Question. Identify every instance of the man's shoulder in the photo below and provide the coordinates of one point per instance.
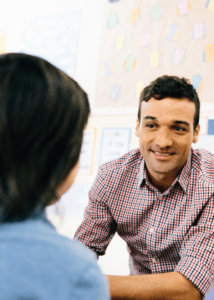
(203, 162)
(131, 159)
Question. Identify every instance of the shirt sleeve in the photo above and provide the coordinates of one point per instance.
(197, 257)
(98, 226)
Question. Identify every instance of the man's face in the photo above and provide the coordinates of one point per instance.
(165, 134)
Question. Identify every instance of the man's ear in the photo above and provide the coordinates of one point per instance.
(137, 131)
(196, 134)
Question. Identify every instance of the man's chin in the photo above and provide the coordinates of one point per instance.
(163, 170)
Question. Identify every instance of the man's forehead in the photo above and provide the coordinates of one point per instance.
(167, 103)
(170, 108)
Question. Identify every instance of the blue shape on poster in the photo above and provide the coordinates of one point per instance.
(205, 30)
(113, 1)
(211, 127)
(207, 4)
(196, 80)
(107, 68)
(171, 33)
(115, 92)
(112, 20)
(204, 55)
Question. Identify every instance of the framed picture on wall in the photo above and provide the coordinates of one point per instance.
(114, 143)
(87, 152)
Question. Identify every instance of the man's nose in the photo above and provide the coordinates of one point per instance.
(164, 139)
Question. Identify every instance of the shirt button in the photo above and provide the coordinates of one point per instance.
(153, 260)
(151, 230)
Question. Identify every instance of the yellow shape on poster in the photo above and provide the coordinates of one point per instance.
(200, 86)
(139, 88)
(165, 32)
(120, 42)
(154, 59)
(209, 50)
(134, 16)
(211, 5)
(176, 35)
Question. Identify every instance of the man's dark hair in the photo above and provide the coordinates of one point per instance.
(43, 113)
(171, 87)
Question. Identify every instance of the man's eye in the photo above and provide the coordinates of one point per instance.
(178, 128)
(151, 126)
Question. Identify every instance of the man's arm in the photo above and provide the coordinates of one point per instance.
(98, 226)
(164, 286)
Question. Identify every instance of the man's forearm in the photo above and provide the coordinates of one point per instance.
(164, 286)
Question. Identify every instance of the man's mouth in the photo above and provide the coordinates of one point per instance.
(163, 153)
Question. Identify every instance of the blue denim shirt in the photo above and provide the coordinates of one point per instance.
(37, 263)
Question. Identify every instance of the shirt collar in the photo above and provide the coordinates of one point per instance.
(182, 178)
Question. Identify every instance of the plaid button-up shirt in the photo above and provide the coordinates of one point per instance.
(164, 232)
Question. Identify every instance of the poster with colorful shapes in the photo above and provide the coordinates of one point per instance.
(54, 38)
(142, 40)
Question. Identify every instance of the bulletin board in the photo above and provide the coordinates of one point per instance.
(142, 40)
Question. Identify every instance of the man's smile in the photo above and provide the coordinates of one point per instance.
(162, 155)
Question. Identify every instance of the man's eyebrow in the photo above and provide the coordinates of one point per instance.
(182, 122)
(175, 122)
(149, 117)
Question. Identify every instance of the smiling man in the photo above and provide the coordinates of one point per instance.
(159, 199)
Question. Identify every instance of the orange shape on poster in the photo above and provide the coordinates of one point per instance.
(135, 16)
(209, 50)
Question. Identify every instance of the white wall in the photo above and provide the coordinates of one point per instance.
(12, 14)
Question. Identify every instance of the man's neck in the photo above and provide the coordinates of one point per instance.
(162, 181)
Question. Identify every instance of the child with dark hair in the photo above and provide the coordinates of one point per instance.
(43, 113)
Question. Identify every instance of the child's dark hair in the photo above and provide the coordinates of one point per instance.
(43, 113)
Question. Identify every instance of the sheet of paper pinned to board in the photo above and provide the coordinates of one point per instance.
(115, 142)
(87, 152)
